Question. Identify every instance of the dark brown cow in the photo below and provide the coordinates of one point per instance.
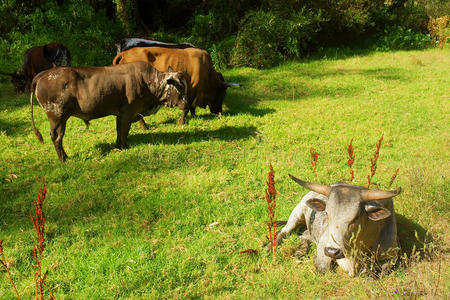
(38, 59)
(127, 91)
(206, 87)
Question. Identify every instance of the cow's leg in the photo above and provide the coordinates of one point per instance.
(296, 217)
(57, 131)
(142, 123)
(305, 245)
(125, 124)
(192, 110)
(347, 265)
(118, 131)
(182, 120)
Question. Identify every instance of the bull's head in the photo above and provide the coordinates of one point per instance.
(175, 89)
(353, 213)
(215, 106)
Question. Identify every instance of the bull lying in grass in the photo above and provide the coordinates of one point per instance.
(127, 91)
(347, 222)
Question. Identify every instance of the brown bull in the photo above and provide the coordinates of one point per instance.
(127, 91)
(205, 85)
(38, 59)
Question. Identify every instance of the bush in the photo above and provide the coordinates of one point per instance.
(412, 16)
(265, 39)
(90, 36)
(221, 53)
(399, 38)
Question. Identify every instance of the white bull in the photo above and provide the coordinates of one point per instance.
(346, 221)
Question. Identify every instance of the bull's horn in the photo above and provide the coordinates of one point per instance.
(369, 195)
(231, 84)
(315, 187)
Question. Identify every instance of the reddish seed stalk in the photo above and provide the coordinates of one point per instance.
(373, 163)
(271, 205)
(39, 224)
(351, 159)
(393, 178)
(5, 265)
(248, 251)
(314, 158)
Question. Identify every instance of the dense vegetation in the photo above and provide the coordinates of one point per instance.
(256, 33)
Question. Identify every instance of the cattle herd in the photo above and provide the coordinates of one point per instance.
(347, 222)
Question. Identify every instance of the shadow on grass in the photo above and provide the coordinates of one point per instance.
(378, 73)
(407, 230)
(13, 128)
(226, 133)
(242, 104)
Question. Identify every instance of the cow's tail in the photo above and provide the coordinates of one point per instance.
(35, 130)
(117, 59)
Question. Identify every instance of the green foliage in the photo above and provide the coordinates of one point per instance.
(265, 38)
(222, 52)
(399, 38)
(412, 15)
(90, 36)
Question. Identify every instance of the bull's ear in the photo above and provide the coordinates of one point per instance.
(169, 69)
(316, 204)
(376, 213)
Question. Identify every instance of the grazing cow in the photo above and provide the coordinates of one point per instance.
(126, 91)
(205, 85)
(38, 59)
(346, 222)
(129, 43)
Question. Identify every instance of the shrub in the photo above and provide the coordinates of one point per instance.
(265, 38)
(411, 15)
(399, 38)
(221, 52)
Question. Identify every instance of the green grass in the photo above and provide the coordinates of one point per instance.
(135, 223)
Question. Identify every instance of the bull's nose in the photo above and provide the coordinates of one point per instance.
(333, 252)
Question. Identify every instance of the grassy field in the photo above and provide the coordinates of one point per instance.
(168, 217)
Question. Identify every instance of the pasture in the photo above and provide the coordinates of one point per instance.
(169, 217)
